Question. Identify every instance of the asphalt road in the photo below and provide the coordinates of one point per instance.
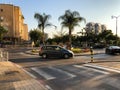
(70, 74)
(78, 77)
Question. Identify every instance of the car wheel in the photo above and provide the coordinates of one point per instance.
(44, 56)
(66, 56)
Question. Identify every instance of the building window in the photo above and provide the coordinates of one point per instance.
(1, 10)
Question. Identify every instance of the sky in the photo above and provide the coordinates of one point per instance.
(97, 11)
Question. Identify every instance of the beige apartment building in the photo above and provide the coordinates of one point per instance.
(12, 19)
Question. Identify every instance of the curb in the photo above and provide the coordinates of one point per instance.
(80, 54)
(45, 87)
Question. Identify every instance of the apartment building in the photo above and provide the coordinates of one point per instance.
(95, 27)
(12, 19)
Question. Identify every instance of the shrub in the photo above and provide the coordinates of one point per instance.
(76, 50)
(35, 51)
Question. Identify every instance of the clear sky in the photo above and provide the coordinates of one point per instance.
(99, 11)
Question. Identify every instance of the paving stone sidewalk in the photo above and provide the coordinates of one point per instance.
(14, 78)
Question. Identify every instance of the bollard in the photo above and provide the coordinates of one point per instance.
(91, 50)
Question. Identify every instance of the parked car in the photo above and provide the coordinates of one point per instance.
(112, 50)
(48, 51)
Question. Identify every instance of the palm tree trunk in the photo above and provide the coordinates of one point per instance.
(70, 39)
(43, 39)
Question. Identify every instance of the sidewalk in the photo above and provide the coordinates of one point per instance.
(14, 78)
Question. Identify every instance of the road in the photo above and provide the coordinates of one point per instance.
(70, 74)
(78, 77)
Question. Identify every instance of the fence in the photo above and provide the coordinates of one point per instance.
(3, 55)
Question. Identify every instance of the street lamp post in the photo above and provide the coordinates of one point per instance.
(116, 17)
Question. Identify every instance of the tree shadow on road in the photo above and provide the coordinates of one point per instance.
(36, 59)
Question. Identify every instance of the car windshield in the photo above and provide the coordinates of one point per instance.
(115, 47)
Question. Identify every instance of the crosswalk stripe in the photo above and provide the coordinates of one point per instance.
(105, 68)
(62, 71)
(78, 66)
(43, 74)
(48, 76)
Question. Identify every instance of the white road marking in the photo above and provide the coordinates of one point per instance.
(48, 87)
(29, 74)
(64, 72)
(78, 66)
(43, 74)
(25, 54)
(102, 67)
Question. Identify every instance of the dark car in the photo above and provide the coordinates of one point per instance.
(48, 51)
(112, 50)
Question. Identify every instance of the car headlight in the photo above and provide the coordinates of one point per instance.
(71, 52)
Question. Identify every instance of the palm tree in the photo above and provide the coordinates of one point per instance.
(70, 20)
(42, 23)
